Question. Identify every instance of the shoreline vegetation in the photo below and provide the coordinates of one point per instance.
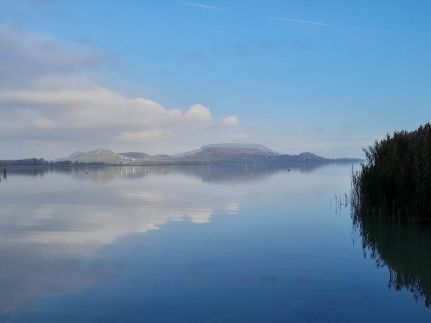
(391, 209)
(394, 183)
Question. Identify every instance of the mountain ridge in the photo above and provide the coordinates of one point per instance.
(208, 154)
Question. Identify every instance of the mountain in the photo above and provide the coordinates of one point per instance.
(209, 154)
(305, 157)
(228, 153)
(99, 156)
(232, 148)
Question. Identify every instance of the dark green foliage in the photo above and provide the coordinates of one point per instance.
(395, 182)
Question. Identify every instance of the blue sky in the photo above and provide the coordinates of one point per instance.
(324, 76)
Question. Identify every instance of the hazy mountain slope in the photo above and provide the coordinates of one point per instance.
(100, 156)
(305, 157)
(228, 153)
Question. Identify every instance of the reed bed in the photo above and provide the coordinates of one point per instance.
(394, 183)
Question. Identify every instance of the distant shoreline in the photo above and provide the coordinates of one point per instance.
(46, 164)
(245, 154)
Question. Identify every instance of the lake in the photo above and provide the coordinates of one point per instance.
(201, 244)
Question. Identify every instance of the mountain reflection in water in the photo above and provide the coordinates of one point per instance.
(207, 173)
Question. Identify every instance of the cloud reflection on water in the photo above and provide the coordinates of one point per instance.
(56, 227)
(63, 219)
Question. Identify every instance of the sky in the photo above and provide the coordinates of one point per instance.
(167, 76)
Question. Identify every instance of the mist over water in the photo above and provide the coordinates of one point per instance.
(200, 244)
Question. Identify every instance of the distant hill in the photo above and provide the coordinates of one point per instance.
(209, 154)
(305, 157)
(228, 153)
(99, 156)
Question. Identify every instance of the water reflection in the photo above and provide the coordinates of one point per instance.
(188, 244)
(404, 249)
(218, 173)
(48, 228)
(100, 214)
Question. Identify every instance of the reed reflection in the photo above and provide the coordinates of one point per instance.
(404, 249)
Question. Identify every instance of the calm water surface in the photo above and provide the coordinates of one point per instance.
(203, 245)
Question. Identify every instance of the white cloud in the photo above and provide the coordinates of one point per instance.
(44, 123)
(26, 57)
(144, 136)
(101, 107)
(231, 121)
(198, 113)
(51, 101)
